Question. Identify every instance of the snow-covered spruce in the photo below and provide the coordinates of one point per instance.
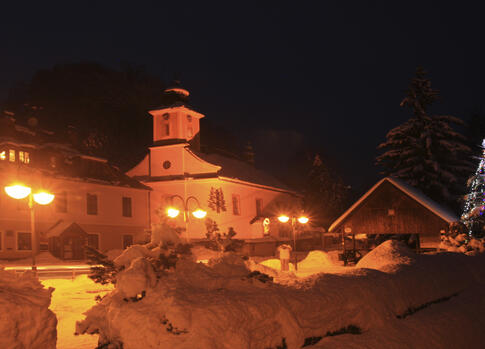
(219, 306)
(25, 318)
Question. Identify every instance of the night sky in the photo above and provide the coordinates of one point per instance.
(287, 76)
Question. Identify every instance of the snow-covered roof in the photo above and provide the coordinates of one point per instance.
(61, 226)
(237, 169)
(414, 193)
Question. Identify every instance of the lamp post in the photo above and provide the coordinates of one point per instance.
(302, 220)
(173, 212)
(19, 191)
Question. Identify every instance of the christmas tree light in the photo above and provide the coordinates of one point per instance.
(473, 213)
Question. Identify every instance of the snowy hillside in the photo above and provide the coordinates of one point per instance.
(25, 318)
(399, 300)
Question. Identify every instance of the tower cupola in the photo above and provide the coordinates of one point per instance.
(176, 121)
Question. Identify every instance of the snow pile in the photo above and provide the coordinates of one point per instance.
(387, 256)
(223, 305)
(315, 259)
(462, 243)
(25, 318)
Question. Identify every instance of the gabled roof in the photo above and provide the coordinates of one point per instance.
(61, 226)
(412, 192)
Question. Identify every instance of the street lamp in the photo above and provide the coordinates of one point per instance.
(173, 212)
(302, 220)
(41, 197)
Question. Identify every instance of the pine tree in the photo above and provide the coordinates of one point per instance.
(103, 270)
(216, 200)
(326, 194)
(473, 213)
(426, 151)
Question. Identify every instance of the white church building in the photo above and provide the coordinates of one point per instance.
(233, 192)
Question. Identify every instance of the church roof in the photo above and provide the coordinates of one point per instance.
(237, 169)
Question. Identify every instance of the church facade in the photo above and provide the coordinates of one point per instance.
(233, 192)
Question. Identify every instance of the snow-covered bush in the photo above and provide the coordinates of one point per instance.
(222, 305)
(25, 318)
(457, 239)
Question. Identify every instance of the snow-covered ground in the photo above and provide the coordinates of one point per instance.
(396, 299)
(70, 300)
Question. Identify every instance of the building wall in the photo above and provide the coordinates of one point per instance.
(182, 122)
(109, 222)
(200, 189)
(390, 211)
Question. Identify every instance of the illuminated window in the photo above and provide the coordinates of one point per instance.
(91, 204)
(236, 205)
(24, 157)
(3, 155)
(24, 241)
(126, 203)
(11, 155)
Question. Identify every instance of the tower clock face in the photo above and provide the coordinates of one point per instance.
(166, 116)
(166, 164)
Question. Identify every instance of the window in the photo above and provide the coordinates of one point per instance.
(93, 241)
(24, 157)
(189, 118)
(126, 201)
(92, 204)
(236, 205)
(127, 241)
(190, 132)
(166, 124)
(259, 207)
(61, 202)
(3, 155)
(24, 241)
(11, 155)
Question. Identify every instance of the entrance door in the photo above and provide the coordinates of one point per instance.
(74, 247)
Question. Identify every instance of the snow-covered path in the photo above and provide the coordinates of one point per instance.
(69, 301)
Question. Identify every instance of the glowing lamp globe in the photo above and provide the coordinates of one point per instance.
(303, 220)
(172, 212)
(283, 218)
(43, 198)
(18, 191)
(199, 213)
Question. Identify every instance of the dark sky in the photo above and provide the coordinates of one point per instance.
(331, 75)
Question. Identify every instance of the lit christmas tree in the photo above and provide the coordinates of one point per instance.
(473, 213)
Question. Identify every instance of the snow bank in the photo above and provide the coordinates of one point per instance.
(462, 243)
(222, 305)
(387, 256)
(25, 318)
(315, 259)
